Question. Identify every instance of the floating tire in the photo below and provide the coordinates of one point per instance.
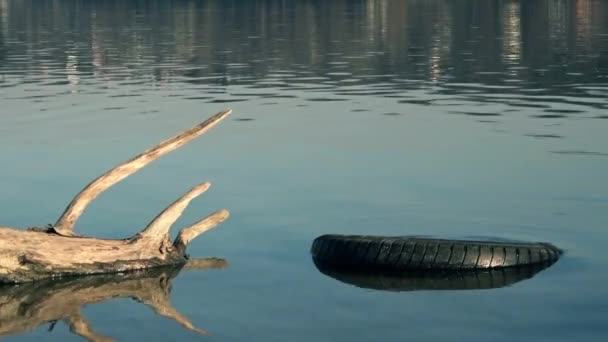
(379, 253)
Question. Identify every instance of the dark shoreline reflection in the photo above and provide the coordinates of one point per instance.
(25, 307)
(554, 52)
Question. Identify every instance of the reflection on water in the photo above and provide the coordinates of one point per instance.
(543, 55)
(27, 306)
(582, 153)
(431, 281)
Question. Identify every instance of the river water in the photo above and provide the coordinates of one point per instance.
(456, 119)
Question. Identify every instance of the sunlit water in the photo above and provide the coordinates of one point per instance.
(456, 119)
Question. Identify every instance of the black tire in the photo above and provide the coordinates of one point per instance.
(357, 252)
(435, 280)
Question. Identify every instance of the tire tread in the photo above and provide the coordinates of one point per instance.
(403, 253)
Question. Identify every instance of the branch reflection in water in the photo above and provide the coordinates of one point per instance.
(28, 306)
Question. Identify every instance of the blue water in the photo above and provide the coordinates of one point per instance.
(454, 119)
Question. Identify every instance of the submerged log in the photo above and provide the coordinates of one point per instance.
(39, 253)
(26, 307)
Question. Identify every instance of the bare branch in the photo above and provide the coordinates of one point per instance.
(65, 224)
(158, 229)
(190, 233)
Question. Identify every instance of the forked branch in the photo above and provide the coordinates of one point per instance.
(34, 254)
(65, 224)
(158, 229)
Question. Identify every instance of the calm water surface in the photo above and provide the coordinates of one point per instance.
(456, 119)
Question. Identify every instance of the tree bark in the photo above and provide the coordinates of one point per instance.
(38, 253)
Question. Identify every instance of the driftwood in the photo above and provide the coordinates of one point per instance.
(26, 307)
(56, 251)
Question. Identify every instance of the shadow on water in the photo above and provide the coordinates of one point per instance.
(26, 307)
(421, 280)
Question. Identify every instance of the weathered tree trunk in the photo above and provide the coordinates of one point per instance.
(37, 253)
(26, 307)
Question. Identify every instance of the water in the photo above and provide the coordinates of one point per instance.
(454, 119)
